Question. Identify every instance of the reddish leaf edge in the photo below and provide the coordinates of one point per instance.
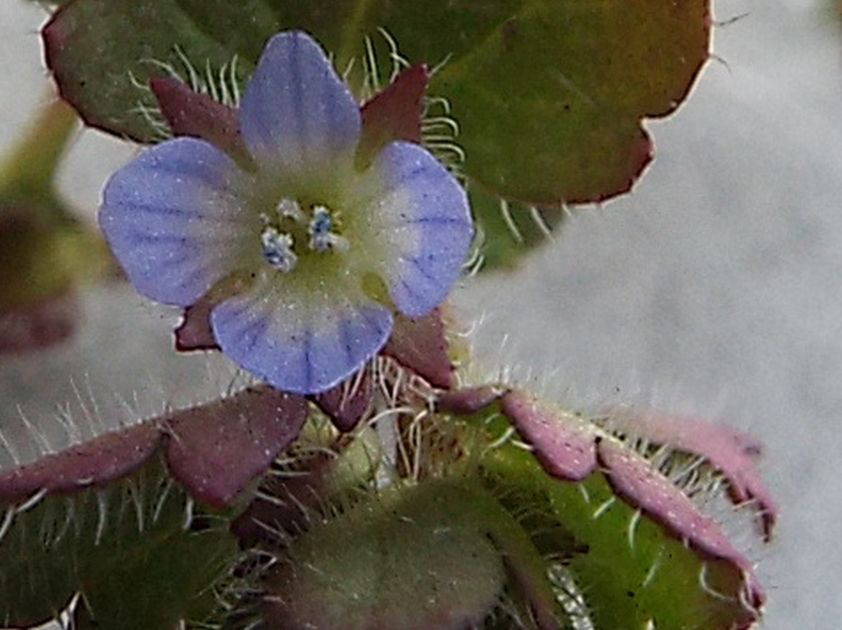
(178, 436)
(731, 452)
(582, 448)
(643, 155)
(53, 41)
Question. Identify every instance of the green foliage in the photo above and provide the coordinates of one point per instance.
(136, 552)
(622, 567)
(438, 554)
(549, 95)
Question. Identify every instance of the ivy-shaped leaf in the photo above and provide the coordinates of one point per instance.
(549, 95)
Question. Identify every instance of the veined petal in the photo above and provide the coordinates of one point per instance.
(296, 114)
(419, 214)
(300, 340)
(175, 219)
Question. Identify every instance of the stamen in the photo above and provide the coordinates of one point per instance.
(289, 209)
(277, 249)
(322, 237)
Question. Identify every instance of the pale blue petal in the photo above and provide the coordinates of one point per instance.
(298, 341)
(419, 214)
(297, 116)
(175, 220)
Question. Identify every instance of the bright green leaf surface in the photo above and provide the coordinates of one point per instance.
(629, 571)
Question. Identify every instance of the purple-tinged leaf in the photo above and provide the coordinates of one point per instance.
(214, 449)
(39, 325)
(468, 400)
(217, 449)
(637, 482)
(550, 100)
(563, 443)
(394, 114)
(92, 463)
(421, 346)
(346, 403)
(197, 115)
(730, 451)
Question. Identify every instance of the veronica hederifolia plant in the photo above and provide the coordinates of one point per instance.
(312, 238)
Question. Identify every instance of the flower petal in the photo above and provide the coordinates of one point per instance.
(296, 114)
(176, 221)
(299, 339)
(420, 214)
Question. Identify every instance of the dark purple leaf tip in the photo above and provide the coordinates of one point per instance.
(217, 449)
(421, 346)
(92, 463)
(732, 452)
(194, 332)
(197, 115)
(637, 482)
(348, 402)
(468, 400)
(395, 113)
(563, 443)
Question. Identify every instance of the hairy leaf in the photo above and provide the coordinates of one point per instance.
(136, 551)
(432, 556)
(214, 450)
(549, 95)
(619, 569)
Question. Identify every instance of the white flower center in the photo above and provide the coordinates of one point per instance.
(290, 225)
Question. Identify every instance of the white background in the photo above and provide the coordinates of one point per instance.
(714, 289)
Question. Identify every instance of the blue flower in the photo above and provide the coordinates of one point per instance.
(330, 250)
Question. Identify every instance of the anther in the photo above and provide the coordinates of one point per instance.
(277, 249)
(322, 237)
(289, 209)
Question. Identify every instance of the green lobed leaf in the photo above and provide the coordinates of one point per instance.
(135, 550)
(627, 571)
(549, 94)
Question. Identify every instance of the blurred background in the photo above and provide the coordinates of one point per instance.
(714, 289)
